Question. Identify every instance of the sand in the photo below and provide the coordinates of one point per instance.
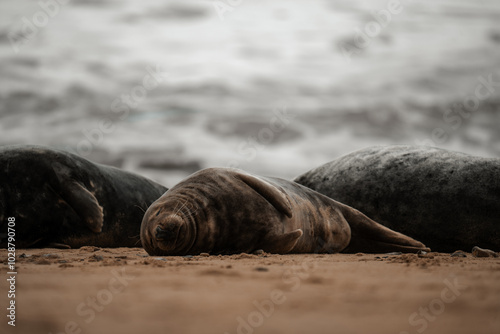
(93, 290)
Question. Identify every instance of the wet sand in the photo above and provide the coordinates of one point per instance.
(93, 290)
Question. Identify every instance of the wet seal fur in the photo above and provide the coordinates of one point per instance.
(227, 211)
(448, 200)
(62, 200)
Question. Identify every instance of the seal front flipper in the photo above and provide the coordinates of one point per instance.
(281, 244)
(82, 201)
(85, 205)
(273, 195)
(367, 236)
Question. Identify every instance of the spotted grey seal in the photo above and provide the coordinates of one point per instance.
(226, 211)
(61, 199)
(447, 200)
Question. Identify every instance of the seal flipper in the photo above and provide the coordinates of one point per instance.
(79, 198)
(281, 244)
(85, 205)
(370, 237)
(272, 194)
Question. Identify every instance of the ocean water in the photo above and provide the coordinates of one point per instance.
(165, 88)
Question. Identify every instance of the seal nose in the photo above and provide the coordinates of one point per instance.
(160, 233)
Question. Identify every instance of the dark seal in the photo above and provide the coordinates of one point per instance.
(59, 199)
(227, 211)
(446, 199)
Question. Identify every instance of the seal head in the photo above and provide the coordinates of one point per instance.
(170, 229)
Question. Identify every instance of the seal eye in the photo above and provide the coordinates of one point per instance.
(158, 212)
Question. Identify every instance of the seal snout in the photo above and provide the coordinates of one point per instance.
(160, 234)
(167, 232)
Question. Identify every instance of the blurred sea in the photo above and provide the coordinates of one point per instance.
(229, 78)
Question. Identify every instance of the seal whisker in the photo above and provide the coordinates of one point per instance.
(176, 207)
(190, 212)
(140, 208)
(185, 202)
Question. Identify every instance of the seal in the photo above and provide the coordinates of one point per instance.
(228, 211)
(59, 199)
(448, 200)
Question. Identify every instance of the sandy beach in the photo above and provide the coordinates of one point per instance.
(123, 290)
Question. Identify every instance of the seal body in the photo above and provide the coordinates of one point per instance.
(446, 199)
(226, 211)
(59, 199)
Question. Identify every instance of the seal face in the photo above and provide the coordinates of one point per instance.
(446, 199)
(226, 211)
(62, 200)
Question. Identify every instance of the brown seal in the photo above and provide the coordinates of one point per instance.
(227, 211)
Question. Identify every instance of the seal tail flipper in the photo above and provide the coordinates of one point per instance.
(367, 236)
(82, 201)
(273, 195)
(282, 244)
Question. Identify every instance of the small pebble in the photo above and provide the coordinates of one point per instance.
(360, 254)
(89, 249)
(458, 253)
(394, 253)
(204, 254)
(160, 258)
(424, 254)
(22, 256)
(96, 258)
(188, 256)
(259, 252)
(480, 252)
(261, 269)
(245, 256)
(51, 256)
